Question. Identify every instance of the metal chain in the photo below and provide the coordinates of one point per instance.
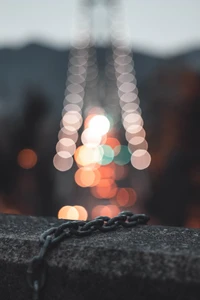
(37, 268)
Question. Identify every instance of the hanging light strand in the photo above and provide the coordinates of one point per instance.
(131, 115)
(74, 94)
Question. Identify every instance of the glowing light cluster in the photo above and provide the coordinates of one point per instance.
(128, 94)
(101, 162)
(93, 152)
(75, 212)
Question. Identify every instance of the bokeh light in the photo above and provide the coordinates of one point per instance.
(107, 171)
(77, 61)
(86, 156)
(100, 124)
(122, 197)
(123, 157)
(87, 120)
(77, 70)
(71, 107)
(73, 98)
(65, 134)
(130, 97)
(90, 138)
(136, 140)
(129, 107)
(127, 87)
(105, 189)
(113, 143)
(123, 59)
(125, 78)
(140, 159)
(132, 118)
(62, 163)
(72, 118)
(133, 147)
(76, 78)
(75, 88)
(27, 158)
(66, 144)
(68, 129)
(135, 130)
(83, 214)
(108, 154)
(68, 212)
(123, 69)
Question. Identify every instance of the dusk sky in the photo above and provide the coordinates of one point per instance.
(156, 26)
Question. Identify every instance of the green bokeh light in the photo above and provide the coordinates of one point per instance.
(123, 157)
(108, 155)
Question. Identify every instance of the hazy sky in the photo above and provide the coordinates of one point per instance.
(158, 26)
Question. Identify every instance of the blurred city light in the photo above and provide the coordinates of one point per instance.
(100, 124)
(27, 158)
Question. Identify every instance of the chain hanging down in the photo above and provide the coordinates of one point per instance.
(36, 272)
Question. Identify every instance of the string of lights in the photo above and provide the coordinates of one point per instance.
(72, 118)
(127, 90)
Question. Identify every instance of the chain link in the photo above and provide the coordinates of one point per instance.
(37, 268)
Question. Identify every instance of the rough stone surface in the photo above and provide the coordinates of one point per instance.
(146, 262)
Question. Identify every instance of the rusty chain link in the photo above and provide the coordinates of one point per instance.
(36, 272)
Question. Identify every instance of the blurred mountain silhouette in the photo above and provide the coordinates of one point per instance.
(45, 69)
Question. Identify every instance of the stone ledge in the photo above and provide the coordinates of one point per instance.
(146, 261)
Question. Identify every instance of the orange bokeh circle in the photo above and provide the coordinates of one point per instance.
(27, 158)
